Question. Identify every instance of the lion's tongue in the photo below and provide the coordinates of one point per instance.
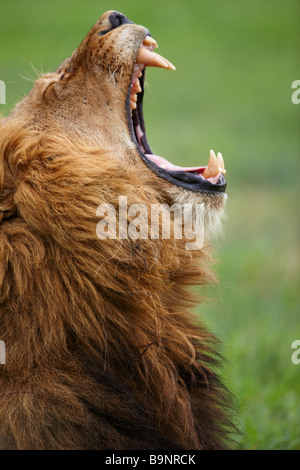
(166, 165)
(214, 167)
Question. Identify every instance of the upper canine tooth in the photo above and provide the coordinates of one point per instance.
(151, 59)
(149, 41)
(212, 168)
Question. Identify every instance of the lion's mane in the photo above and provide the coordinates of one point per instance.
(102, 350)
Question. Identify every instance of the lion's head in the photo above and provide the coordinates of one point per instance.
(101, 351)
(96, 96)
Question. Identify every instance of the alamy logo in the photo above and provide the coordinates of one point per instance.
(296, 94)
(2, 92)
(153, 221)
(2, 352)
(296, 354)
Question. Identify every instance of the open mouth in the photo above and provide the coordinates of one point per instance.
(209, 178)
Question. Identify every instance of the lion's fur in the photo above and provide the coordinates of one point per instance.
(102, 350)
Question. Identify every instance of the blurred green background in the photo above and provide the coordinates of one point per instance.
(236, 62)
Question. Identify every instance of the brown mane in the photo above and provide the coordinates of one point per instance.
(102, 350)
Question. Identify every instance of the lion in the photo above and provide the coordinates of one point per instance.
(103, 350)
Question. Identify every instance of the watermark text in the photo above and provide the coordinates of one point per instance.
(296, 95)
(2, 92)
(296, 354)
(2, 352)
(154, 221)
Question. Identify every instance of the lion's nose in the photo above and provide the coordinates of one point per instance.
(117, 19)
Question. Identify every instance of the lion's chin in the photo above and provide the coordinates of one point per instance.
(206, 213)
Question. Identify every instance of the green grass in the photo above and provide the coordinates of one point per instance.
(231, 92)
(255, 313)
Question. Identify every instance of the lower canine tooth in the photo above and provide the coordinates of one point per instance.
(221, 163)
(220, 160)
(212, 168)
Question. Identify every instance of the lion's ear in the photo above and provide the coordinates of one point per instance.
(8, 208)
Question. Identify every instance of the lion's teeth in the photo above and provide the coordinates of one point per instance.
(136, 87)
(149, 41)
(133, 100)
(221, 163)
(151, 59)
(220, 160)
(212, 168)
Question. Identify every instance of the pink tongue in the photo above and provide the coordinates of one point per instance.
(163, 163)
